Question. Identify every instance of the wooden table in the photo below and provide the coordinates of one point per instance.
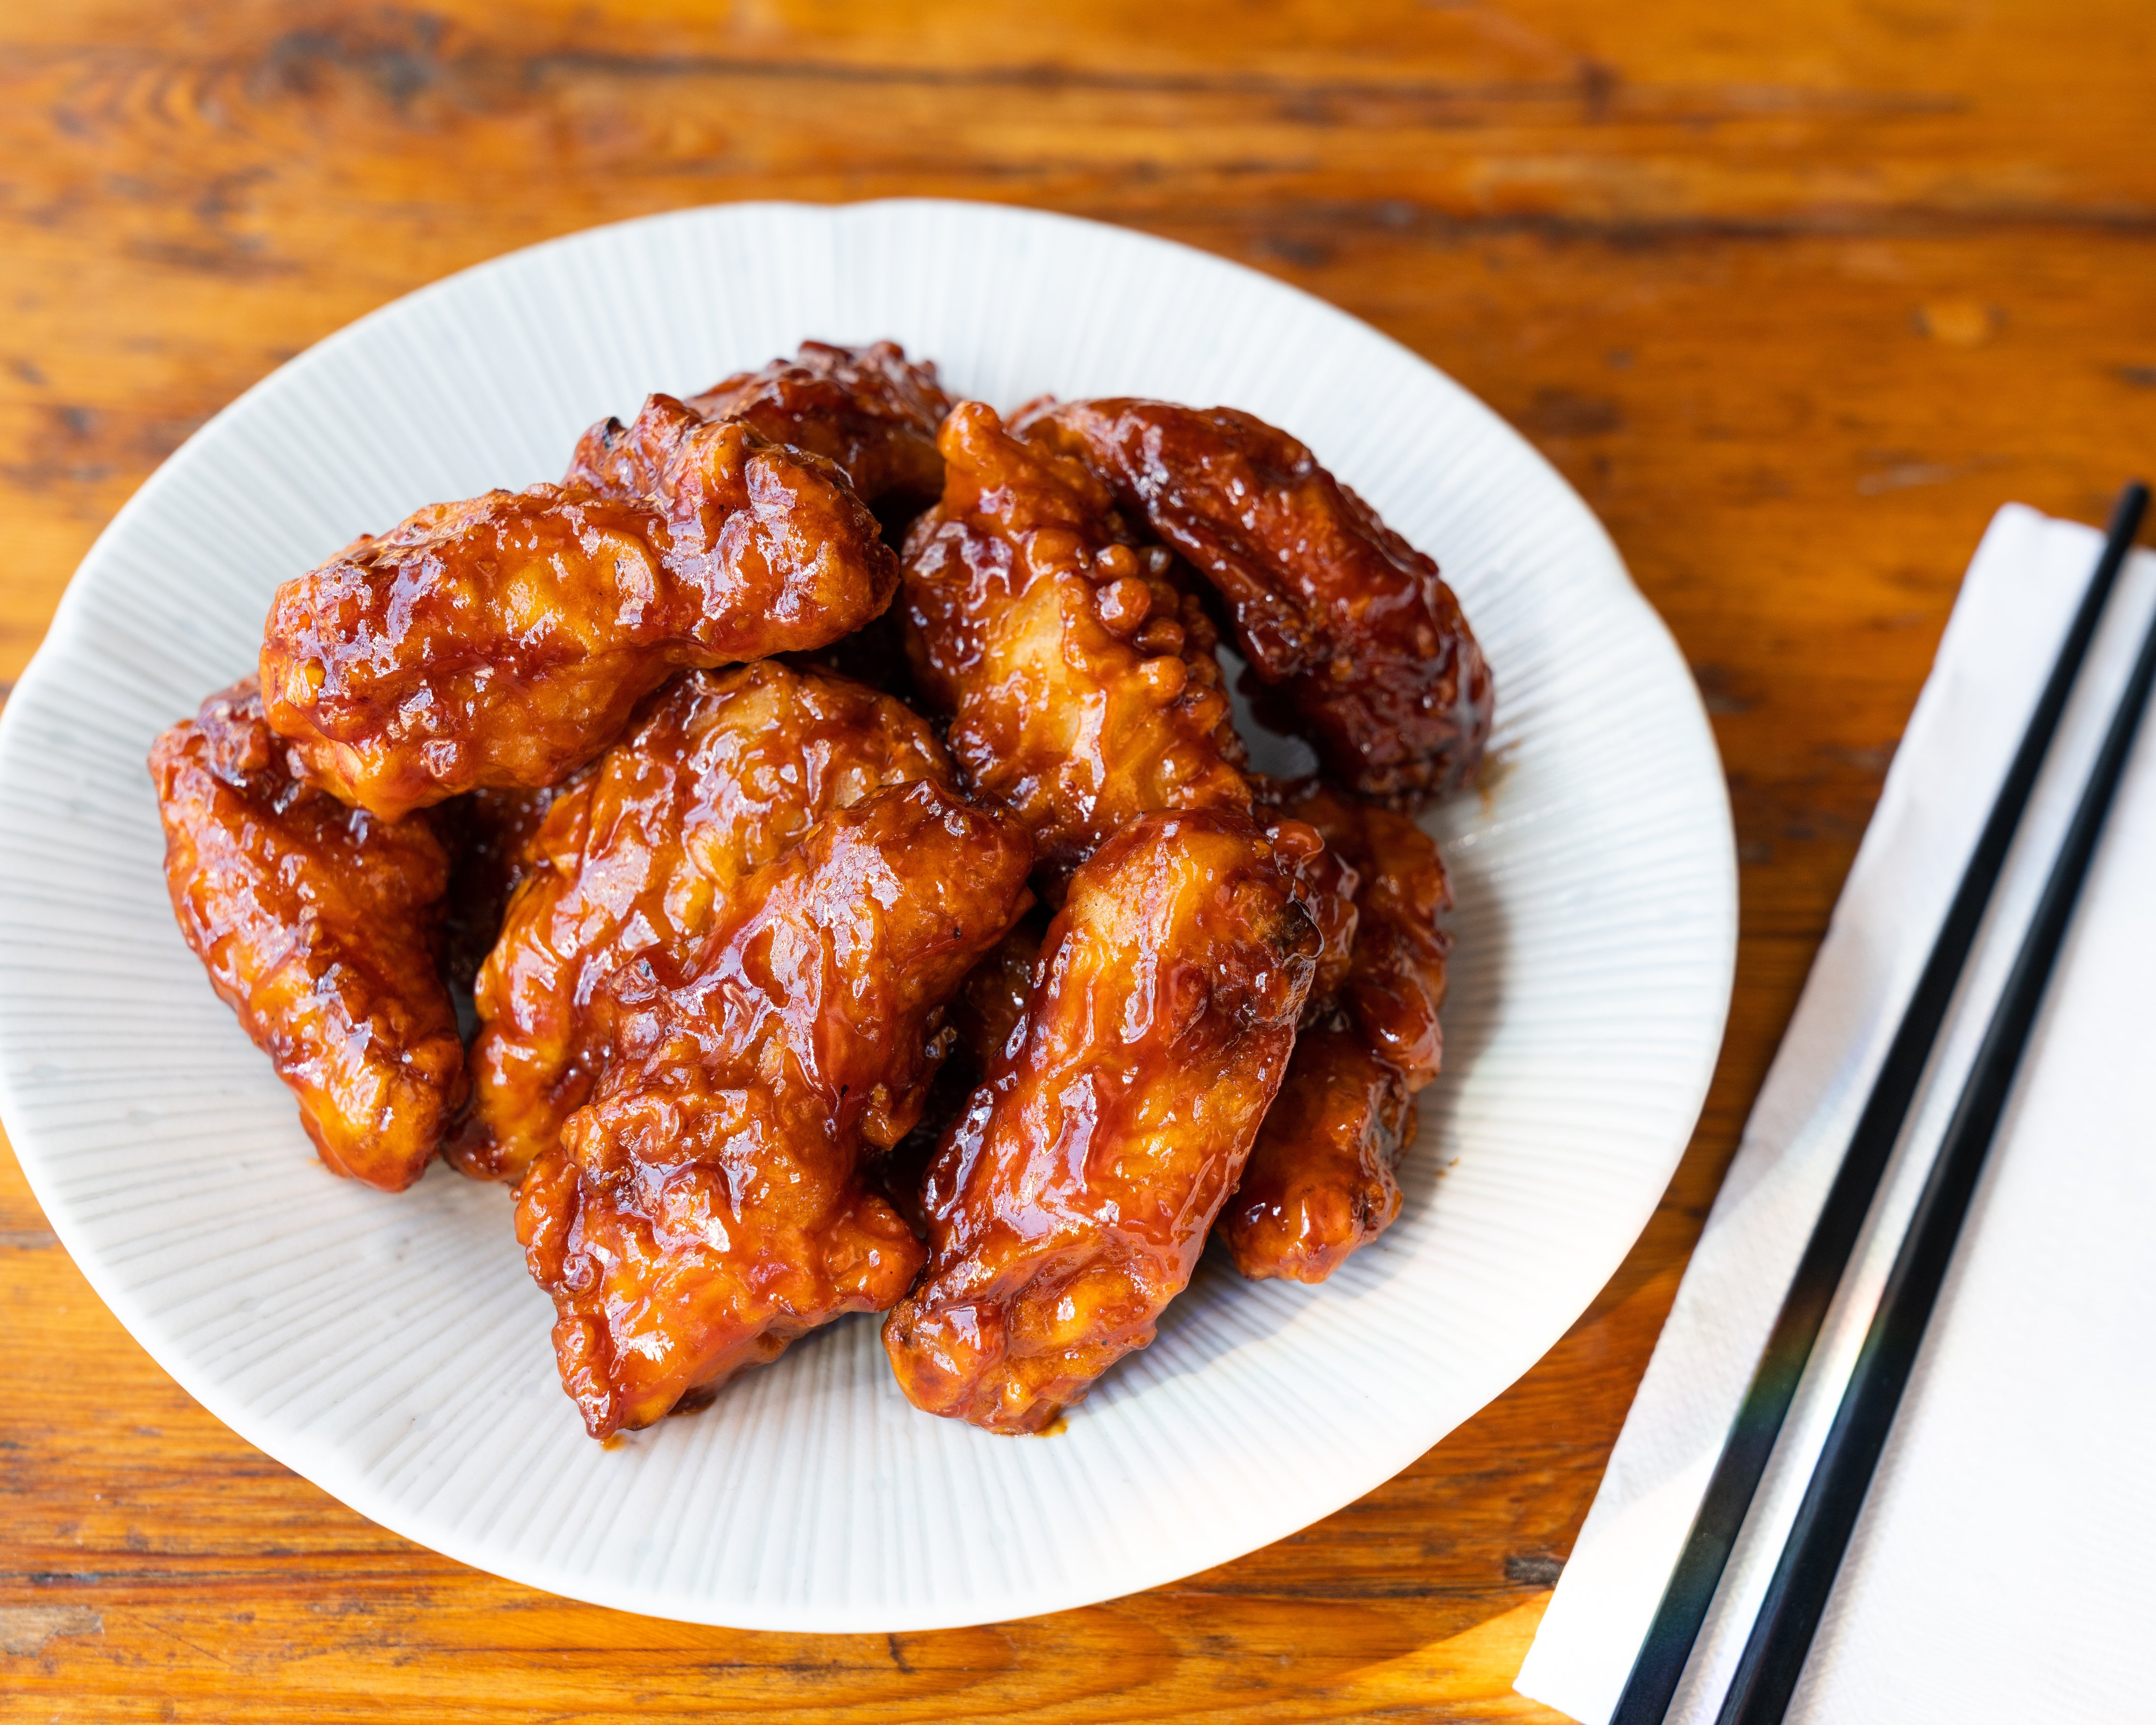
(1795, 293)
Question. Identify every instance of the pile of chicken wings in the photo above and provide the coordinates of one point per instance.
(825, 806)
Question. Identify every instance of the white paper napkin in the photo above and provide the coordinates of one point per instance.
(2004, 1567)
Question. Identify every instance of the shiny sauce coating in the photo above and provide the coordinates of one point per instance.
(1080, 678)
(505, 640)
(1320, 1182)
(1068, 1205)
(1364, 646)
(320, 927)
(723, 771)
(706, 1207)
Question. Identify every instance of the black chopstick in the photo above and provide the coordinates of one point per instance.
(1660, 1662)
(1782, 1633)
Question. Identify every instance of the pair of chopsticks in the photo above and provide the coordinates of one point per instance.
(1782, 1633)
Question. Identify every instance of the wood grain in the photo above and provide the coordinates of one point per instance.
(1795, 293)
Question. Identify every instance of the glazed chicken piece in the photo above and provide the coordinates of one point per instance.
(319, 926)
(1363, 645)
(504, 641)
(1080, 682)
(724, 771)
(1070, 1203)
(1395, 982)
(1320, 1182)
(706, 1207)
(869, 410)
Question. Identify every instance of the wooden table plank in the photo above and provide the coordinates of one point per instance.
(1795, 294)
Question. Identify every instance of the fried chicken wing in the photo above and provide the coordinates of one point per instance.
(504, 641)
(1068, 1204)
(1319, 1182)
(1080, 682)
(319, 926)
(724, 772)
(706, 1207)
(869, 410)
(1395, 982)
(1363, 641)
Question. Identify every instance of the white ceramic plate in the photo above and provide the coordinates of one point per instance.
(392, 1350)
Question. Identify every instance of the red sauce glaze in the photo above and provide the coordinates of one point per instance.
(1068, 1204)
(724, 771)
(320, 927)
(505, 640)
(1080, 681)
(1364, 646)
(706, 1206)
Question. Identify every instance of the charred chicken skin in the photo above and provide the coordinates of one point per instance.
(1320, 1182)
(1069, 1202)
(1364, 644)
(504, 641)
(319, 925)
(706, 1207)
(724, 772)
(1080, 681)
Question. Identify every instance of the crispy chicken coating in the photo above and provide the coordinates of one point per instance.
(319, 925)
(1395, 982)
(1079, 680)
(1068, 1204)
(1320, 1182)
(706, 1207)
(869, 409)
(1364, 643)
(505, 640)
(725, 771)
